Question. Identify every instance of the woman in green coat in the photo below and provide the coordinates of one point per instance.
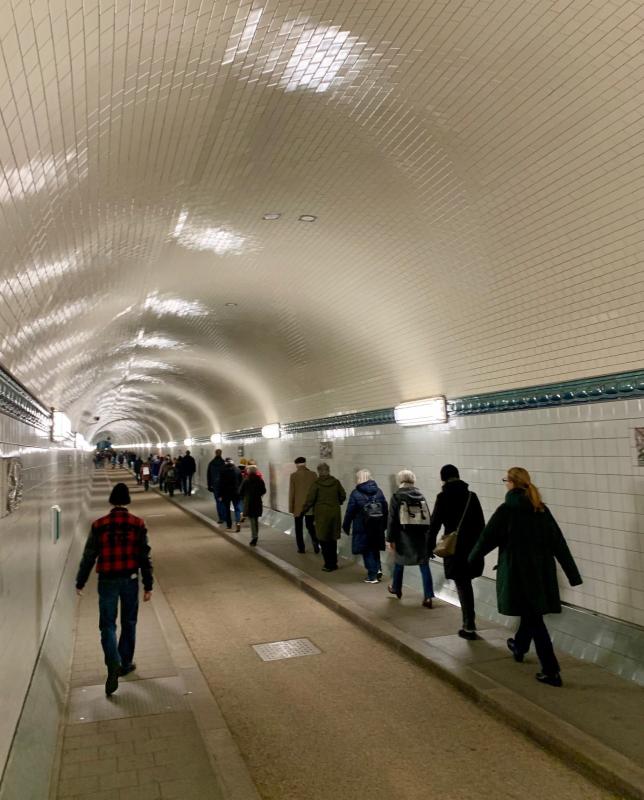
(529, 541)
(325, 497)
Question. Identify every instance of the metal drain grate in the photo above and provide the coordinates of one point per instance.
(291, 648)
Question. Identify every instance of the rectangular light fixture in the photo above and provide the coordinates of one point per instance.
(271, 431)
(430, 411)
(216, 438)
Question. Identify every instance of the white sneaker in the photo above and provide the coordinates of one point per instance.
(368, 580)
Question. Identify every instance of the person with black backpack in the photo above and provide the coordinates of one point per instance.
(408, 535)
(366, 519)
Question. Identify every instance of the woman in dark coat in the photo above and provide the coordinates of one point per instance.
(408, 535)
(251, 492)
(529, 541)
(366, 502)
(455, 505)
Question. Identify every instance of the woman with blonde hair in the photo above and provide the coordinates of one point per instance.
(529, 541)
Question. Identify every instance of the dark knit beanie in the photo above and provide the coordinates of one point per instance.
(449, 472)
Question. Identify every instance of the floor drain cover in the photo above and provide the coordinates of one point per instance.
(292, 648)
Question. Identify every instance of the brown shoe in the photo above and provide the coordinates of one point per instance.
(427, 602)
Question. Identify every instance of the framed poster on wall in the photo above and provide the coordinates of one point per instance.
(639, 446)
(326, 450)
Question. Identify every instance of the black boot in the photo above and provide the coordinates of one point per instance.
(112, 682)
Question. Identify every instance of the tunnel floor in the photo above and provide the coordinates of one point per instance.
(355, 720)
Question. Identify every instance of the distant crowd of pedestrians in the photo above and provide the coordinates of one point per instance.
(522, 528)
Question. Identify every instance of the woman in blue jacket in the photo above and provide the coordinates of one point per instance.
(366, 518)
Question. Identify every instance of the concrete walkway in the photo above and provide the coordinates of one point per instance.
(205, 717)
(595, 721)
(161, 735)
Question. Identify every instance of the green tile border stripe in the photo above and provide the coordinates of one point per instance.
(619, 385)
(616, 386)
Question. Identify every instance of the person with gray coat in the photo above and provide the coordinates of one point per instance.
(408, 535)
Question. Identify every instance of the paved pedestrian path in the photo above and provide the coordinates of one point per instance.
(161, 735)
(596, 718)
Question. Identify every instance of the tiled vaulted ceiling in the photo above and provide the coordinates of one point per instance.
(476, 169)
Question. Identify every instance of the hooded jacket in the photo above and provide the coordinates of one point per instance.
(325, 497)
(366, 538)
(529, 541)
(448, 512)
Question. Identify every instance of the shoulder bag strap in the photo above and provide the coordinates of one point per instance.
(467, 505)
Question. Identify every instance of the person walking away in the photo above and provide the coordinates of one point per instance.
(529, 542)
(155, 466)
(121, 459)
(146, 475)
(325, 498)
(253, 463)
(251, 491)
(459, 509)
(229, 482)
(366, 519)
(408, 535)
(300, 484)
(138, 463)
(118, 544)
(189, 468)
(214, 470)
(163, 469)
(171, 477)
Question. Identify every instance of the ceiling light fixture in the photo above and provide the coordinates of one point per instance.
(307, 218)
(216, 438)
(188, 442)
(271, 216)
(231, 305)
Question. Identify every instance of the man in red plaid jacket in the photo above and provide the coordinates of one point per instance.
(118, 543)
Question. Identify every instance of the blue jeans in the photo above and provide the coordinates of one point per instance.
(221, 509)
(428, 584)
(371, 560)
(227, 514)
(110, 590)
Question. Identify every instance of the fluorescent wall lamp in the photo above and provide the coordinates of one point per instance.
(430, 411)
(160, 444)
(172, 444)
(271, 431)
(216, 438)
(188, 442)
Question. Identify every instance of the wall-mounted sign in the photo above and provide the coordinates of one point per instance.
(639, 445)
(240, 450)
(326, 450)
(55, 524)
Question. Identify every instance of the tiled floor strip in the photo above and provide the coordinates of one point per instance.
(161, 735)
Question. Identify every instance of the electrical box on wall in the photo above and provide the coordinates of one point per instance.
(55, 523)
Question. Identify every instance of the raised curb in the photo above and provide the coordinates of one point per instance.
(584, 753)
